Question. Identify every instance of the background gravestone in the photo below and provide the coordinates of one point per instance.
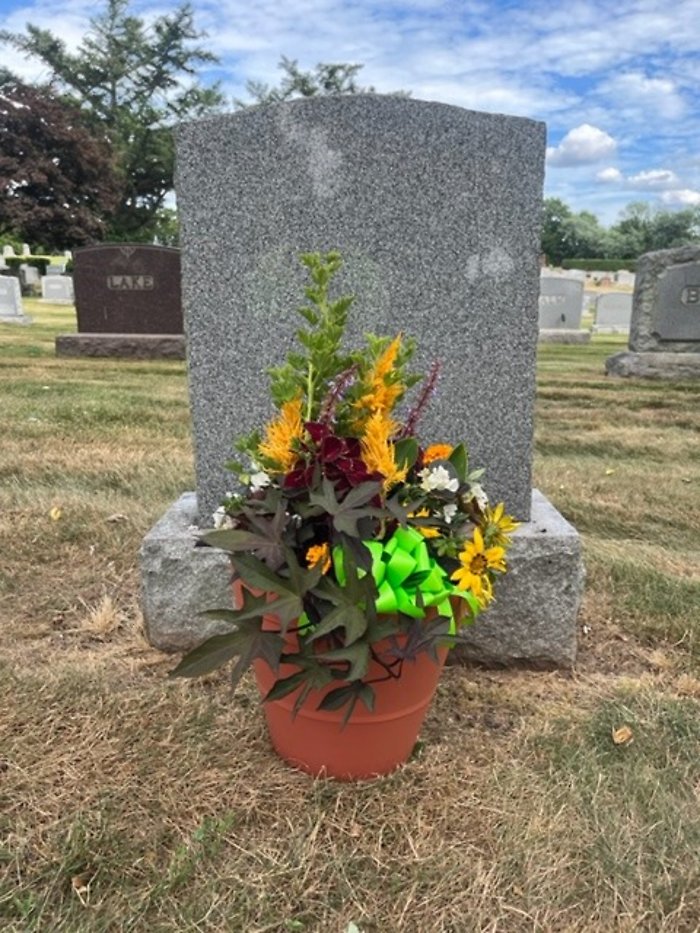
(560, 307)
(397, 186)
(127, 289)
(613, 312)
(57, 289)
(11, 308)
(664, 337)
(436, 211)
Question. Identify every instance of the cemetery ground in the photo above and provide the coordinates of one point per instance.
(132, 802)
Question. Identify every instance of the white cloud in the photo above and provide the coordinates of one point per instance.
(635, 95)
(609, 175)
(682, 197)
(581, 145)
(654, 178)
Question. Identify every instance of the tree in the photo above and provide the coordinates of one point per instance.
(58, 184)
(642, 228)
(326, 79)
(133, 81)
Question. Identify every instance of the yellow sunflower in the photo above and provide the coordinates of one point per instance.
(477, 560)
(498, 527)
(425, 530)
(280, 435)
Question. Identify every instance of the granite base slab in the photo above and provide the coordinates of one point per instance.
(126, 346)
(15, 319)
(532, 622)
(555, 335)
(652, 365)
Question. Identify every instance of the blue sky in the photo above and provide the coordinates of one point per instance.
(618, 84)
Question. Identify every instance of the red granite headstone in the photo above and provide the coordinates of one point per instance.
(123, 288)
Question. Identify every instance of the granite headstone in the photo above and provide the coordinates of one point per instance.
(560, 303)
(613, 312)
(11, 309)
(436, 211)
(57, 289)
(664, 338)
(127, 289)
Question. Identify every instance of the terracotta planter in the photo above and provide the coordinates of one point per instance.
(371, 743)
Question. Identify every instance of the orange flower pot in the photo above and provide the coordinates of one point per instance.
(371, 743)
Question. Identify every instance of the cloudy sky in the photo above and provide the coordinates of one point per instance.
(618, 84)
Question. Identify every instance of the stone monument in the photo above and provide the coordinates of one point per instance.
(613, 312)
(559, 310)
(127, 300)
(664, 338)
(436, 211)
(58, 289)
(11, 309)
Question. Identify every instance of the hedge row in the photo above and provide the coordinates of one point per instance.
(599, 265)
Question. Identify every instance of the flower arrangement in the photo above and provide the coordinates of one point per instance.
(346, 530)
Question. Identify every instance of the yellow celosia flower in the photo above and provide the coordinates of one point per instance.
(319, 554)
(425, 530)
(378, 451)
(381, 396)
(498, 526)
(476, 561)
(437, 452)
(280, 434)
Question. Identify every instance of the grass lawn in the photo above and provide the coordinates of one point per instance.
(129, 802)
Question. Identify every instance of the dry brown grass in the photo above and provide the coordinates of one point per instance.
(131, 802)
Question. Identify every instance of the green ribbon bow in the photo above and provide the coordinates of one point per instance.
(403, 568)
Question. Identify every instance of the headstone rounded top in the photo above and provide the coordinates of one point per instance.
(382, 107)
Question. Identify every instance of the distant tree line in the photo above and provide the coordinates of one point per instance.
(641, 228)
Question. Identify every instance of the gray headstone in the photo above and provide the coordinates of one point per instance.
(57, 288)
(666, 311)
(613, 312)
(625, 278)
(56, 269)
(26, 251)
(8, 251)
(436, 211)
(29, 275)
(11, 310)
(560, 303)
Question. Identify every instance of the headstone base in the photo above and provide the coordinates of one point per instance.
(654, 365)
(15, 319)
(56, 301)
(532, 621)
(556, 335)
(127, 346)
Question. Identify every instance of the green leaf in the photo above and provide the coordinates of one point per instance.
(406, 452)
(248, 643)
(349, 695)
(356, 655)
(460, 461)
(352, 509)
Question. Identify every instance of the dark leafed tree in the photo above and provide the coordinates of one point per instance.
(133, 81)
(325, 79)
(58, 185)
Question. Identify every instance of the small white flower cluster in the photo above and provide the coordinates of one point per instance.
(437, 479)
(221, 518)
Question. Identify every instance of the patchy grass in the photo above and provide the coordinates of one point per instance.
(130, 802)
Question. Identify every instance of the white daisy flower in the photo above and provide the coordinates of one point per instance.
(478, 493)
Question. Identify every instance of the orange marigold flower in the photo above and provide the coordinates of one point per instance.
(319, 554)
(280, 435)
(437, 452)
